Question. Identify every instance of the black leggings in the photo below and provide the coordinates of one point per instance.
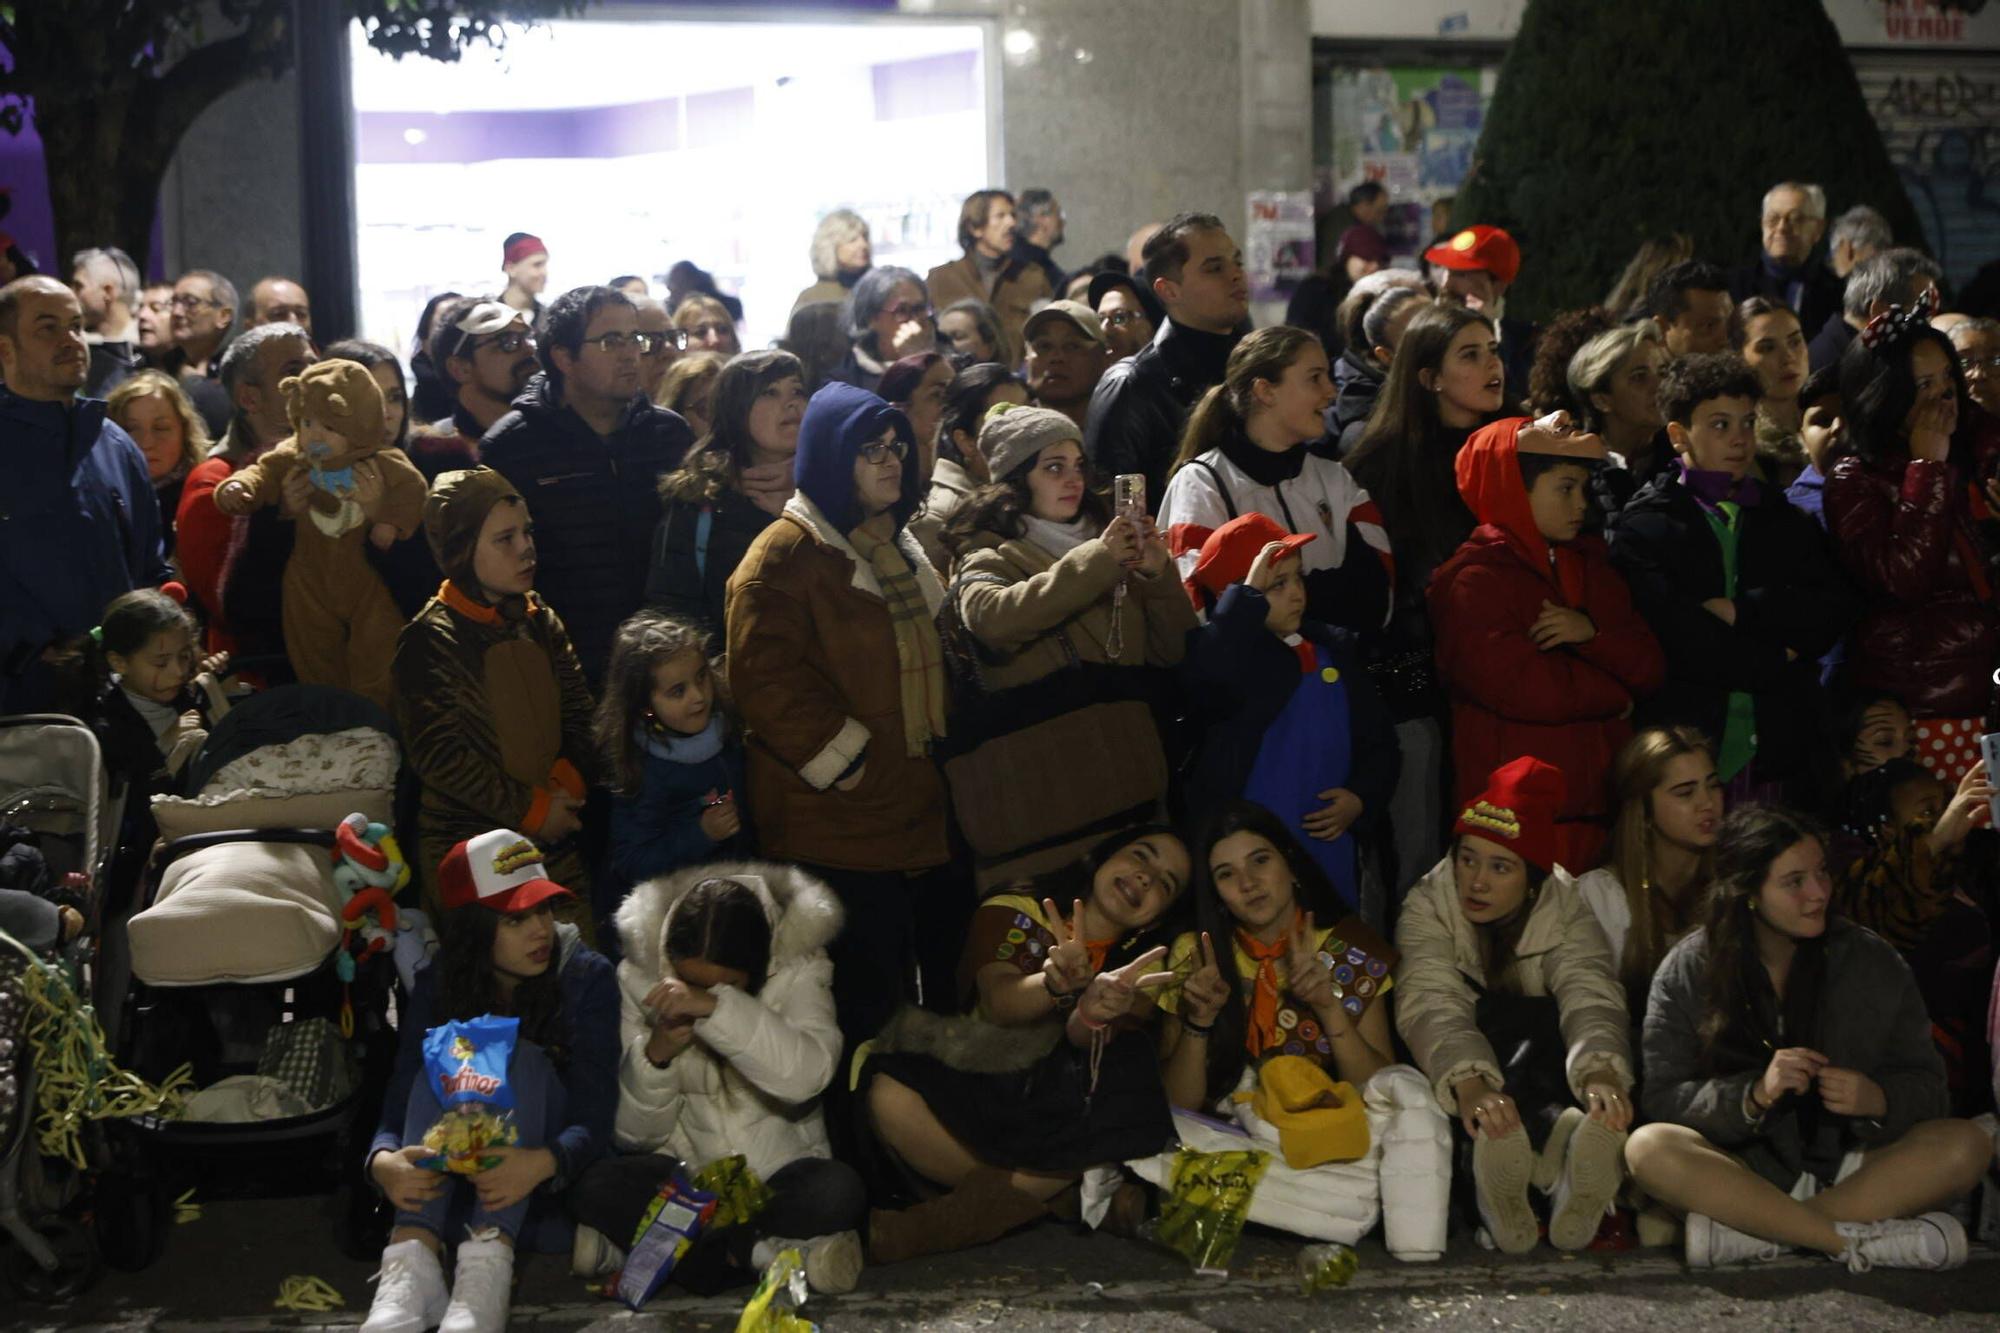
(813, 1196)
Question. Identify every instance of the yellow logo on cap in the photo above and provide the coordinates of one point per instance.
(1465, 240)
(1492, 818)
(516, 855)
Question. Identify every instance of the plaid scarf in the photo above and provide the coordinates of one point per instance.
(919, 653)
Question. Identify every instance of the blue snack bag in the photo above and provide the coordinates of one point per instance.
(466, 1063)
(667, 1230)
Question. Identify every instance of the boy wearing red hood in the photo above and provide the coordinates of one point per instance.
(1537, 640)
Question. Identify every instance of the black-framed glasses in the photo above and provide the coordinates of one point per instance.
(508, 343)
(613, 343)
(881, 451)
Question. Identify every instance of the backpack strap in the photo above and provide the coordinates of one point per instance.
(1221, 487)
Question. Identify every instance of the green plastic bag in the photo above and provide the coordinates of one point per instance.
(1207, 1200)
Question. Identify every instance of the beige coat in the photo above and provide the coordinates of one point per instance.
(1562, 953)
(1017, 618)
(950, 484)
(1013, 296)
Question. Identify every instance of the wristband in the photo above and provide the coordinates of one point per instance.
(1198, 1029)
(1089, 1026)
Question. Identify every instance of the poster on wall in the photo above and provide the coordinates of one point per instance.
(1413, 129)
(1278, 253)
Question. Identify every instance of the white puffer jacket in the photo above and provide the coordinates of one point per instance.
(750, 1081)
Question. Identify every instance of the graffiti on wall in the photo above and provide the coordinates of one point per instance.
(1940, 120)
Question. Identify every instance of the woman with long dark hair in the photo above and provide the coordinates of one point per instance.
(1899, 507)
(1797, 1101)
(734, 483)
(1445, 381)
(1054, 1072)
(502, 953)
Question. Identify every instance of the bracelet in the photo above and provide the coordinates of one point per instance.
(1089, 1026)
(1198, 1029)
(1065, 1000)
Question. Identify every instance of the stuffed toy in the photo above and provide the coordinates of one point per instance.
(369, 870)
(340, 621)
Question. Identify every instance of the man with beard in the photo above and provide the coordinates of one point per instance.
(588, 448)
(485, 353)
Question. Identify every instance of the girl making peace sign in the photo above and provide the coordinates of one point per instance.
(1052, 1075)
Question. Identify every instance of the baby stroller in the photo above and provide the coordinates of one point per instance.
(58, 831)
(242, 967)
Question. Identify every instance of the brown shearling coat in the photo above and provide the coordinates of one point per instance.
(812, 665)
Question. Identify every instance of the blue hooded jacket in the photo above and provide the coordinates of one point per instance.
(79, 525)
(838, 421)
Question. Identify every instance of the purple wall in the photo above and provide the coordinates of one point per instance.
(32, 222)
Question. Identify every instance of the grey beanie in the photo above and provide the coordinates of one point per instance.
(1011, 435)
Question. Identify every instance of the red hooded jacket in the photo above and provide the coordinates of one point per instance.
(1569, 706)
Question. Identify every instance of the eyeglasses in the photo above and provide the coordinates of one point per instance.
(878, 451)
(613, 343)
(1118, 319)
(909, 310)
(508, 343)
(193, 302)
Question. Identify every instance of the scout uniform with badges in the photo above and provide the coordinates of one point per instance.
(1360, 961)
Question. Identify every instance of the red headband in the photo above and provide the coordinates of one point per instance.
(522, 249)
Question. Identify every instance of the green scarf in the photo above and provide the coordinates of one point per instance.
(1739, 727)
(919, 652)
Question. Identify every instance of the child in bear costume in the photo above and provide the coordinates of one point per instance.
(340, 621)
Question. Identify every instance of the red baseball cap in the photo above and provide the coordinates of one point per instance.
(1479, 247)
(1231, 549)
(501, 871)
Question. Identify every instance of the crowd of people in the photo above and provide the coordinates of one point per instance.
(924, 755)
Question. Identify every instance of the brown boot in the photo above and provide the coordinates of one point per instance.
(983, 1208)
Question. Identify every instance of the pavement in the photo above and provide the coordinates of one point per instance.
(222, 1271)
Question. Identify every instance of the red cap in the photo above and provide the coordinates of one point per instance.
(1518, 810)
(1231, 549)
(522, 249)
(1479, 247)
(501, 870)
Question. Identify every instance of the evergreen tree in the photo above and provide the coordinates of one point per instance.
(1615, 122)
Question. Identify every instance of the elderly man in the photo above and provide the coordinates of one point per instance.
(1038, 231)
(1896, 277)
(81, 522)
(1788, 270)
(106, 283)
(1066, 357)
(1859, 233)
(204, 315)
(1978, 344)
(278, 301)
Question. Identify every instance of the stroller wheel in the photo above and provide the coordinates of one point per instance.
(76, 1263)
(132, 1214)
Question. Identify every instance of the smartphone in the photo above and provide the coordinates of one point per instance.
(1128, 495)
(1989, 750)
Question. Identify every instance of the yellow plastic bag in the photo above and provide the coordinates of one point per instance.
(1207, 1200)
(782, 1290)
(739, 1195)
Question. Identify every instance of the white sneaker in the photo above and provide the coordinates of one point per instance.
(1592, 1169)
(1933, 1242)
(409, 1291)
(481, 1288)
(593, 1255)
(1501, 1169)
(1710, 1244)
(833, 1263)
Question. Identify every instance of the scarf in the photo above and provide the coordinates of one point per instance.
(1059, 539)
(657, 739)
(510, 608)
(1260, 1032)
(919, 654)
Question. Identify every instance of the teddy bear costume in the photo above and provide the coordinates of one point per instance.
(340, 621)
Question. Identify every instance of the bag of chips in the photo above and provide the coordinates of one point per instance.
(466, 1064)
(667, 1230)
(739, 1195)
(1207, 1200)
